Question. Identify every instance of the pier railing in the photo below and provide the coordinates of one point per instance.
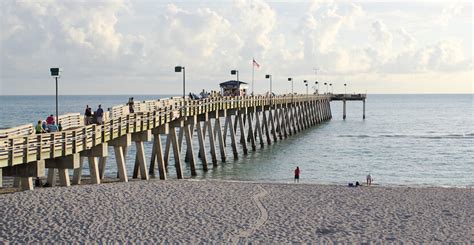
(19, 145)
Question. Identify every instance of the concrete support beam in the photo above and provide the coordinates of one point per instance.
(202, 152)
(265, 127)
(228, 121)
(101, 150)
(220, 138)
(77, 174)
(242, 132)
(142, 169)
(63, 177)
(31, 169)
(258, 127)
(176, 152)
(102, 165)
(212, 144)
(26, 183)
(159, 156)
(250, 133)
(120, 159)
(189, 146)
(68, 162)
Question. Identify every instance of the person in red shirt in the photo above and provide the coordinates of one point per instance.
(50, 120)
(297, 175)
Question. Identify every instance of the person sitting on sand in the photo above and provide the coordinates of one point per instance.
(297, 175)
(369, 179)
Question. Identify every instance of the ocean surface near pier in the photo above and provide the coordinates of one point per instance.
(410, 140)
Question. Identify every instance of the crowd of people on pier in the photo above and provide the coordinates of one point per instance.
(93, 118)
(48, 126)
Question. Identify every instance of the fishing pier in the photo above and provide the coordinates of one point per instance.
(244, 122)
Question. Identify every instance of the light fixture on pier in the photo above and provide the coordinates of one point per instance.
(326, 84)
(306, 84)
(317, 84)
(292, 93)
(331, 88)
(181, 69)
(291, 80)
(270, 77)
(56, 73)
(235, 72)
(345, 85)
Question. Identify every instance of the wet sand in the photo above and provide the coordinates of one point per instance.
(188, 211)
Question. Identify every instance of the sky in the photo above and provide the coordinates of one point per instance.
(132, 46)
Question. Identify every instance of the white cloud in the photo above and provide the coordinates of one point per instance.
(117, 43)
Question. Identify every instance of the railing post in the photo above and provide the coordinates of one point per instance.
(26, 149)
(63, 144)
(84, 138)
(11, 152)
(39, 139)
(94, 135)
(74, 142)
(52, 146)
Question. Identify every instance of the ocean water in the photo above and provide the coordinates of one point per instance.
(415, 140)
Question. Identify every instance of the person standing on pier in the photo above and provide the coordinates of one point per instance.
(130, 105)
(99, 114)
(88, 114)
(297, 175)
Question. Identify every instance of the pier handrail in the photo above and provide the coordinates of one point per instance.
(34, 147)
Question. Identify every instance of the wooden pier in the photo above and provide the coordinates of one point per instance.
(248, 121)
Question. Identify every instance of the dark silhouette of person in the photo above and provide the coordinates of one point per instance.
(297, 175)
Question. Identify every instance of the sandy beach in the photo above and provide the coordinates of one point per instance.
(189, 211)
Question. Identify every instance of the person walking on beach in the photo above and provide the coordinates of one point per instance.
(369, 179)
(99, 115)
(297, 175)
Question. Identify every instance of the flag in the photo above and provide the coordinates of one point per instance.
(256, 64)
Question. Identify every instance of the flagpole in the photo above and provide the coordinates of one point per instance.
(253, 72)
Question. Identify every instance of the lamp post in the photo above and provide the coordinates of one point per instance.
(331, 88)
(306, 84)
(291, 80)
(56, 73)
(271, 93)
(235, 72)
(345, 85)
(179, 69)
(317, 84)
(326, 84)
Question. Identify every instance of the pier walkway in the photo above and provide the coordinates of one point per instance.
(248, 121)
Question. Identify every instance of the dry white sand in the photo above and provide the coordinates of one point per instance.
(236, 212)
